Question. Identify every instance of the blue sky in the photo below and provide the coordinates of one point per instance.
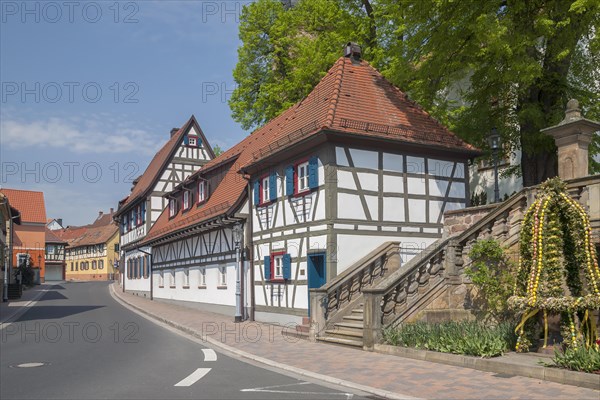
(90, 91)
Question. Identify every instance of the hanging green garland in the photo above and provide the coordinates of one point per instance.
(558, 269)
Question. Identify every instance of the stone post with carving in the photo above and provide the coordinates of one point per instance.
(572, 137)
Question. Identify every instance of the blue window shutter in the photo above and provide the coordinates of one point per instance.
(313, 172)
(273, 186)
(186, 140)
(267, 268)
(287, 267)
(256, 193)
(289, 180)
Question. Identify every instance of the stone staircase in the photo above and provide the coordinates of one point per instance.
(349, 331)
(377, 291)
(337, 308)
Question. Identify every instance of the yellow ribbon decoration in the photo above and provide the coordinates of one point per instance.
(545, 329)
(524, 319)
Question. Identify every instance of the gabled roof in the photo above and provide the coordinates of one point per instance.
(29, 203)
(147, 181)
(94, 235)
(52, 238)
(352, 98)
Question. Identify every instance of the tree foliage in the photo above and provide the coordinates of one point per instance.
(472, 64)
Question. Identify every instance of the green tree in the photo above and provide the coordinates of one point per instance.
(217, 150)
(472, 64)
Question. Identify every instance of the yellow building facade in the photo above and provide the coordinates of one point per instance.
(93, 255)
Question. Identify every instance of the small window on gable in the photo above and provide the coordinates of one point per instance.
(192, 141)
(302, 174)
(186, 199)
(172, 207)
(265, 192)
(202, 191)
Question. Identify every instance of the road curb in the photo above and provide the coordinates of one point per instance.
(325, 378)
(558, 375)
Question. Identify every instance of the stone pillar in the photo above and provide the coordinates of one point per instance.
(572, 137)
(317, 314)
(372, 318)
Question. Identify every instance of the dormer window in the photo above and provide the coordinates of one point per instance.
(202, 191)
(172, 207)
(186, 199)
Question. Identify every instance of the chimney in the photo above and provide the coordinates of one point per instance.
(112, 210)
(59, 220)
(100, 213)
(174, 131)
(353, 52)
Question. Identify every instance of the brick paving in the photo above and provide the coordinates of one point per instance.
(399, 375)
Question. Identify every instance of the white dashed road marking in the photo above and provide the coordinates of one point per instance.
(272, 389)
(209, 355)
(193, 377)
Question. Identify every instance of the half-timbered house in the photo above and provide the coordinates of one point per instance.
(184, 153)
(353, 165)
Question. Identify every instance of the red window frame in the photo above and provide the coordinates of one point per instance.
(273, 255)
(297, 178)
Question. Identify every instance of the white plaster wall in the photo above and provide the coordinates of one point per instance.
(210, 295)
(141, 284)
(350, 206)
(348, 254)
(393, 209)
(393, 162)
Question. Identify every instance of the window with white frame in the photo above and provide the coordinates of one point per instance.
(101, 264)
(302, 173)
(202, 278)
(266, 193)
(201, 191)
(161, 279)
(186, 199)
(186, 277)
(278, 266)
(172, 279)
(172, 207)
(192, 141)
(222, 276)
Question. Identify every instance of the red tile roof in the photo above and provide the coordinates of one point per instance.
(94, 235)
(52, 238)
(146, 181)
(29, 203)
(352, 98)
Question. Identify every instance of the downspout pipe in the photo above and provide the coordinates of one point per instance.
(248, 235)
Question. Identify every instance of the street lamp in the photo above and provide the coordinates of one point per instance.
(494, 141)
(237, 238)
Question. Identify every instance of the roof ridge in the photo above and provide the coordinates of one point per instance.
(339, 74)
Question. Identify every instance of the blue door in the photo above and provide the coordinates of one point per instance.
(316, 273)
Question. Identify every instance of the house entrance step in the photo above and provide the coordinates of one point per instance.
(353, 318)
(351, 325)
(342, 341)
(358, 311)
(344, 332)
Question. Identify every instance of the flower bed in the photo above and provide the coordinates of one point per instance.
(465, 337)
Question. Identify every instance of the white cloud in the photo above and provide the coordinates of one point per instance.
(79, 136)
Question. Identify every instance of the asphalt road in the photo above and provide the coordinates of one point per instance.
(77, 342)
